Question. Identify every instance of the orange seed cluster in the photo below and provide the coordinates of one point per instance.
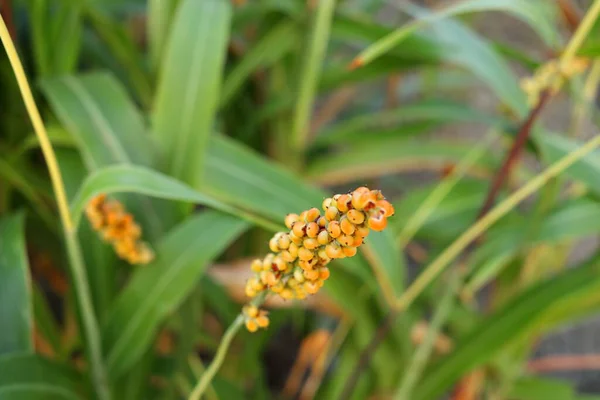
(297, 264)
(118, 228)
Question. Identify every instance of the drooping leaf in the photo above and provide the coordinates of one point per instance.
(158, 288)
(32, 377)
(189, 82)
(160, 18)
(144, 181)
(15, 291)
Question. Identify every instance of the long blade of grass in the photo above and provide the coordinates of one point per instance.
(189, 83)
(15, 293)
(309, 76)
(452, 251)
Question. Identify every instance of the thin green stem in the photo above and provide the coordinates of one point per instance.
(82, 289)
(418, 218)
(452, 251)
(309, 76)
(216, 363)
(580, 34)
(422, 354)
(582, 107)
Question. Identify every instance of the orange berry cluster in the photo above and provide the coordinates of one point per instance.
(118, 227)
(297, 264)
(254, 318)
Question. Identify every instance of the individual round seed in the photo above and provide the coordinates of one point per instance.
(295, 239)
(312, 214)
(333, 250)
(299, 229)
(334, 229)
(344, 202)
(286, 256)
(332, 213)
(250, 310)
(356, 217)
(293, 250)
(283, 242)
(322, 221)
(358, 240)
(324, 273)
(362, 230)
(323, 237)
(273, 245)
(327, 203)
(312, 230)
(377, 222)
(256, 265)
(299, 275)
(290, 219)
(287, 294)
(262, 321)
(251, 325)
(349, 251)
(311, 287)
(345, 240)
(310, 243)
(311, 275)
(305, 254)
(346, 226)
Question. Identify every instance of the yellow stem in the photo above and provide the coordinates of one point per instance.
(452, 251)
(580, 34)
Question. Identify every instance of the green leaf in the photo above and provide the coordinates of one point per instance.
(533, 12)
(188, 90)
(98, 113)
(140, 180)
(269, 49)
(15, 292)
(158, 288)
(534, 388)
(160, 18)
(586, 170)
(388, 156)
(506, 325)
(361, 127)
(32, 377)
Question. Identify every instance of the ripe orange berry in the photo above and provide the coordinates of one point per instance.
(283, 242)
(312, 230)
(311, 274)
(312, 214)
(334, 250)
(280, 264)
(332, 213)
(328, 202)
(290, 219)
(251, 325)
(262, 321)
(361, 189)
(347, 226)
(287, 294)
(305, 254)
(334, 229)
(299, 275)
(310, 243)
(273, 245)
(349, 251)
(299, 229)
(293, 250)
(250, 310)
(324, 273)
(358, 240)
(295, 239)
(362, 231)
(388, 209)
(344, 202)
(356, 217)
(323, 237)
(256, 265)
(311, 287)
(286, 256)
(322, 222)
(345, 240)
(377, 222)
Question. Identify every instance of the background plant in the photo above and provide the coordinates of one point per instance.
(210, 121)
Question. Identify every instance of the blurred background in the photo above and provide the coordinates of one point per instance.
(265, 107)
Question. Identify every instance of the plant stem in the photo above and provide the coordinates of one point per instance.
(418, 218)
(216, 363)
(581, 33)
(90, 324)
(452, 251)
(422, 354)
(309, 76)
